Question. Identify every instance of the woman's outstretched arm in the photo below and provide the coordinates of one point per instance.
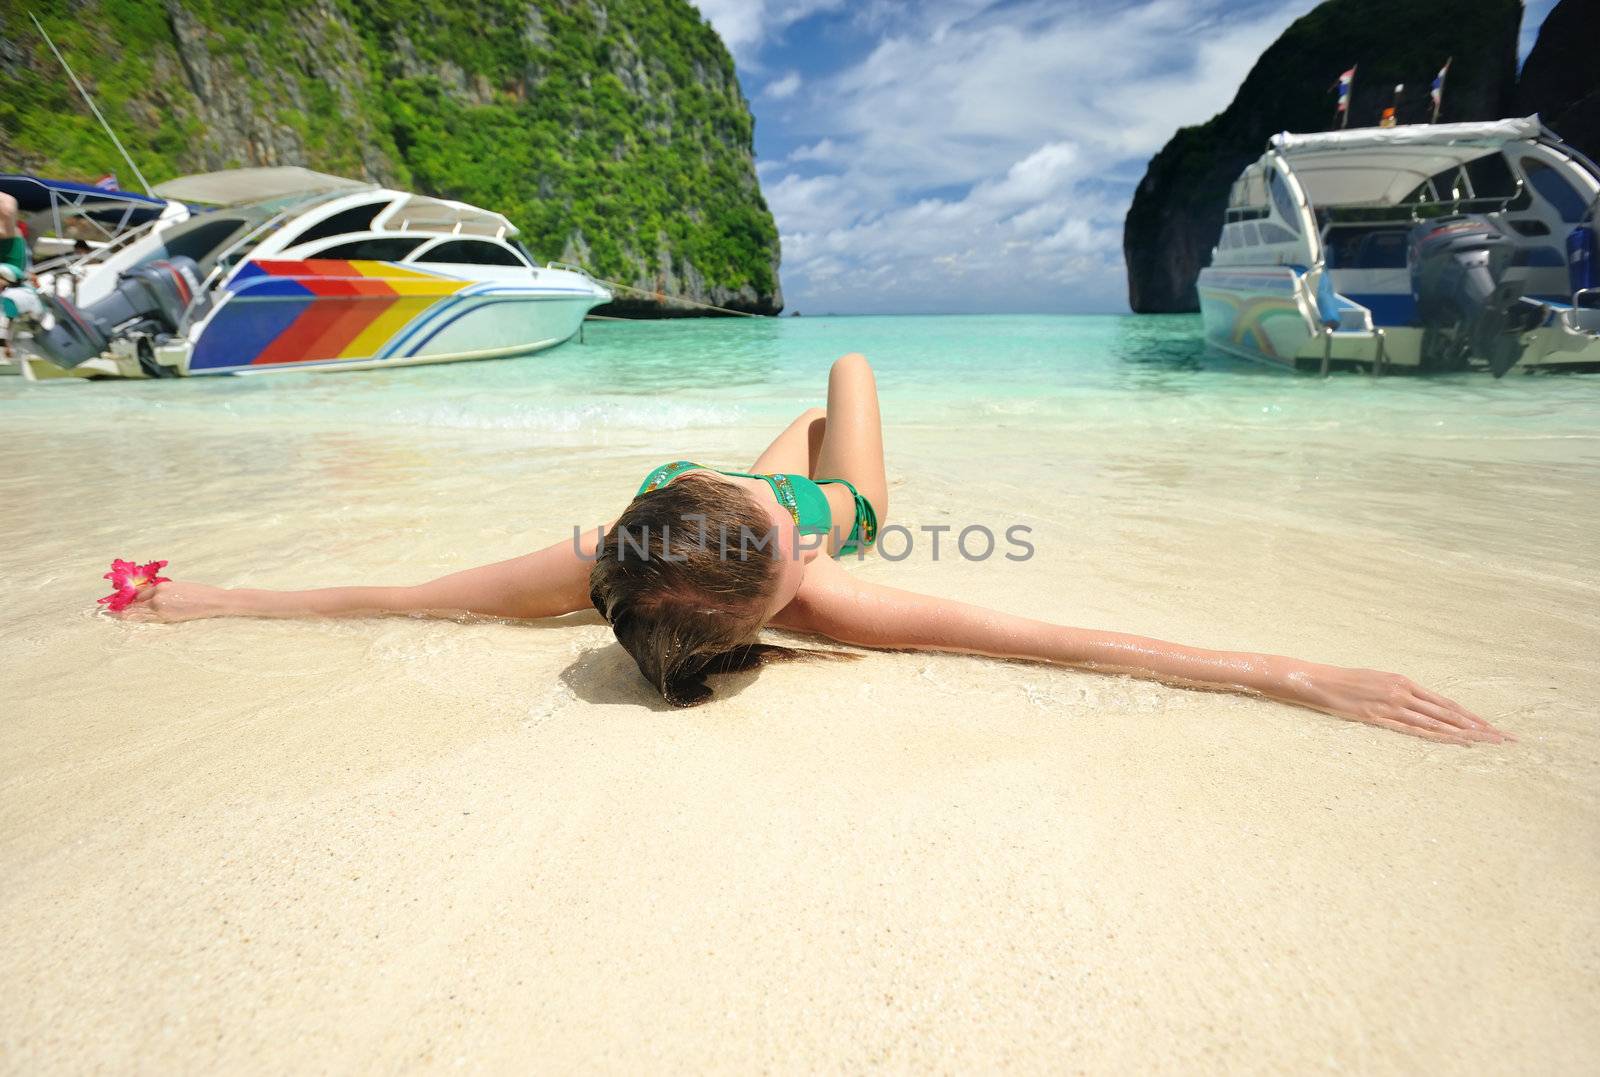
(545, 584)
(833, 604)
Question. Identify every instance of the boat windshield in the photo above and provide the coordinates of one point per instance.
(225, 237)
(517, 244)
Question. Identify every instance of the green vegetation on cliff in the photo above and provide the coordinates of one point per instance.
(612, 132)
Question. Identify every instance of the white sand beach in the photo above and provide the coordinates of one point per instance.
(385, 845)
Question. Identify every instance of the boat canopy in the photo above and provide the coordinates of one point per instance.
(425, 213)
(284, 187)
(111, 209)
(236, 186)
(1381, 166)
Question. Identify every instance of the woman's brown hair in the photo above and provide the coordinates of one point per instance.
(684, 578)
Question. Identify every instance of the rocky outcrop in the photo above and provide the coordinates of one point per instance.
(612, 132)
(317, 67)
(1176, 215)
(1560, 79)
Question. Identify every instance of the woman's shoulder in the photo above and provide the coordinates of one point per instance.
(824, 580)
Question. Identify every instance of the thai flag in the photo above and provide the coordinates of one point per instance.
(107, 182)
(1344, 89)
(1437, 93)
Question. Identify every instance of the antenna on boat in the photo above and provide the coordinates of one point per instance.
(92, 106)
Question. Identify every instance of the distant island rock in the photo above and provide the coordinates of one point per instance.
(612, 132)
(1176, 215)
(1560, 79)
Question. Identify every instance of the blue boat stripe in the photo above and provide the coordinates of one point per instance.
(428, 316)
(462, 314)
(434, 313)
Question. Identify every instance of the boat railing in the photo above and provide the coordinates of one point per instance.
(1377, 366)
(569, 267)
(1412, 212)
(1583, 316)
(116, 243)
(69, 269)
(1302, 290)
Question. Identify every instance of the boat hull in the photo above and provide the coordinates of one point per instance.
(1257, 313)
(1569, 339)
(1269, 314)
(325, 314)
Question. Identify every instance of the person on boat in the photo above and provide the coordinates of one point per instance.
(701, 560)
(16, 297)
(13, 244)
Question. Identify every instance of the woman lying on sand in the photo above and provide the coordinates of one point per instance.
(701, 560)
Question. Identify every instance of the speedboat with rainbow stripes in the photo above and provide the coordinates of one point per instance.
(295, 270)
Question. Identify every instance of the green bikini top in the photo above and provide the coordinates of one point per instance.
(803, 497)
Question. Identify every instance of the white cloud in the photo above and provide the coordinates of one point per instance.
(814, 203)
(1039, 114)
(979, 153)
(939, 103)
(1040, 175)
(824, 150)
(746, 25)
(740, 23)
(783, 86)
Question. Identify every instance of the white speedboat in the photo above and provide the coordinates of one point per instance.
(300, 271)
(1424, 247)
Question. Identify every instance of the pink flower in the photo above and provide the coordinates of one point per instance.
(126, 580)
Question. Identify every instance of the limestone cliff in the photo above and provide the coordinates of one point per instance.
(1560, 79)
(1176, 214)
(612, 132)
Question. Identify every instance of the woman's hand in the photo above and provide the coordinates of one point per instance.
(177, 601)
(1388, 700)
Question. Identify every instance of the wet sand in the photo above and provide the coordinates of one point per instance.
(383, 845)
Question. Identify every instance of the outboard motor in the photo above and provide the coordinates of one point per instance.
(149, 301)
(1465, 308)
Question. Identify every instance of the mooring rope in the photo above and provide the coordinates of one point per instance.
(671, 299)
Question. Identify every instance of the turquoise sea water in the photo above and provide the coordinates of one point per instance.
(659, 376)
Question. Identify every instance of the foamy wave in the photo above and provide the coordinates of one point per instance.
(1001, 408)
(481, 412)
(565, 418)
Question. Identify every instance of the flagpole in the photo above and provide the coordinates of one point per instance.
(1438, 93)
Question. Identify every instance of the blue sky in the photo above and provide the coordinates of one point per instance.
(977, 155)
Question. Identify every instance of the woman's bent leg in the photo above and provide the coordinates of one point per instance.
(852, 442)
(794, 452)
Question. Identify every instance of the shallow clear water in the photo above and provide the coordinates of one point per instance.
(625, 377)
